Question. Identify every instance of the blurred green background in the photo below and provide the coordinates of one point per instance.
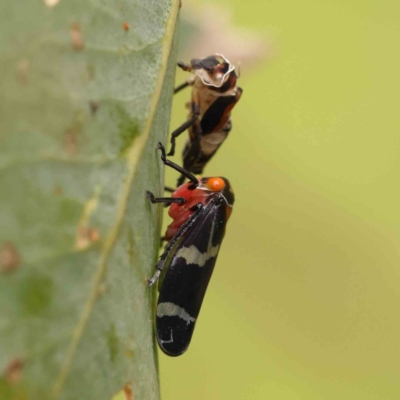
(304, 302)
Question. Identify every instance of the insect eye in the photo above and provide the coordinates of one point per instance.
(215, 184)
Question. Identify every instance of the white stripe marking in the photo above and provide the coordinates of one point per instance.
(173, 310)
(192, 255)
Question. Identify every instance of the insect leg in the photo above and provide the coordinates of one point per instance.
(176, 167)
(169, 189)
(183, 127)
(166, 200)
(191, 153)
(182, 230)
(188, 82)
(181, 86)
(162, 238)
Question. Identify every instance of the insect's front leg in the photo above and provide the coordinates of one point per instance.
(167, 201)
(188, 82)
(184, 126)
(176, 167)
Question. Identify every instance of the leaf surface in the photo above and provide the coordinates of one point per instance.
(86, 90)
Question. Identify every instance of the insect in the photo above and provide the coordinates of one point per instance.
(200, 210)
(214, 94)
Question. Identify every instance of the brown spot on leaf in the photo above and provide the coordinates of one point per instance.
(71, 139)
(129, 353)
(12, 373)
(94, 106)
(76, 37)
(125, 25)
(22, 71)
(9, 258)
(85, 237)
(58, 190)
(71, 133)
(128, 393)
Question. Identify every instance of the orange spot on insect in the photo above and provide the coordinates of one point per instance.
(125, 25)
(76, 37)
(9, 258)
(215, 184)
(12, 373)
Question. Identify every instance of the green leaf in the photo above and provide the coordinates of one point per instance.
(85, 95)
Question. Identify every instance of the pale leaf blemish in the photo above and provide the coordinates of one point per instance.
(76, 37)
(13, 371)
(9, 258)
(87, 235)
(51, 3)
(125, 394)
(124, 50)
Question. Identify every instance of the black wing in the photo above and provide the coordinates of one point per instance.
(214, 114)
(186, 280)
